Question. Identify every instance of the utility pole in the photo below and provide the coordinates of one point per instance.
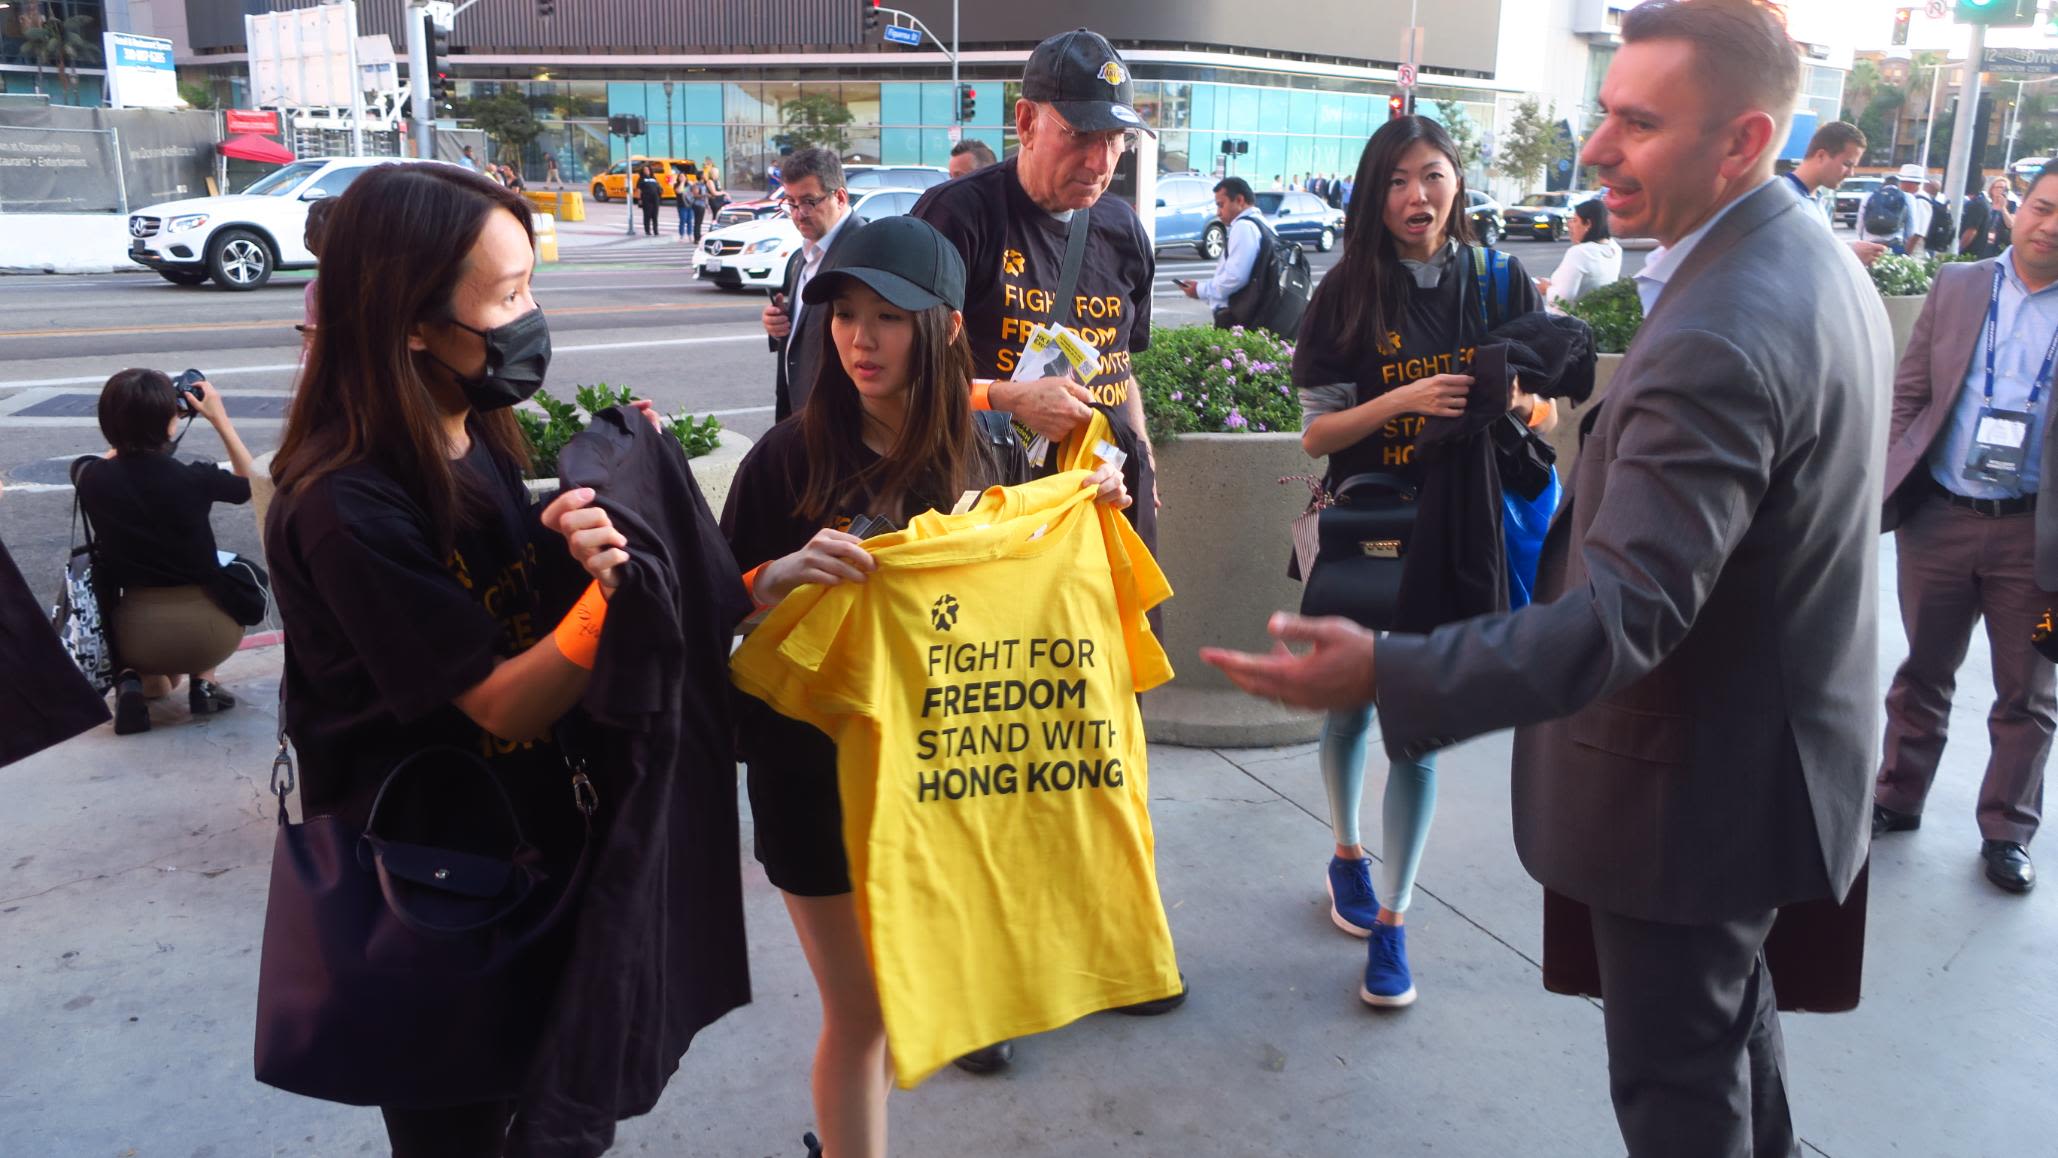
(420, 97)
(1960, 160)
(955, 96)
(1929, 123)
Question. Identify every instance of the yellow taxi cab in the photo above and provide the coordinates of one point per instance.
(613, 185)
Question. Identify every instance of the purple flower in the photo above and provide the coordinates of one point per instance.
(1178, 395)
(1235, 421)
(1283, 392)
(1261, 428)
(1225, 364)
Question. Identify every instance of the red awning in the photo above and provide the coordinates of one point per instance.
(253, 148)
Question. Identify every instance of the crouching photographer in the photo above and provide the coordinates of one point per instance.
(175, 606)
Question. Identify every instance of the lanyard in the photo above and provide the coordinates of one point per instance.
(1993, 325)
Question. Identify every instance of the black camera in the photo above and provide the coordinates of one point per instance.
(187, 389)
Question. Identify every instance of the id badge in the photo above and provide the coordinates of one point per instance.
(1999, 445)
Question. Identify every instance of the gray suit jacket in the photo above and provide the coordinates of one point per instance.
(1926, 388)
(1696, 686)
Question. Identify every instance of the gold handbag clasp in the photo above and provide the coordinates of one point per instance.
(1381, 548)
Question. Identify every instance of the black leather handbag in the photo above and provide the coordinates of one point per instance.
(1353, 550)
(406, 963)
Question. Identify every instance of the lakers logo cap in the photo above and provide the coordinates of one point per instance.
(1083, 77)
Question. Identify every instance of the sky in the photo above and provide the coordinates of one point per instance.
(1874, 22)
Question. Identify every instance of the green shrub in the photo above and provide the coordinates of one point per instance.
(548, 431)
(1897, 276)
(1198, 379)
(1614, 312)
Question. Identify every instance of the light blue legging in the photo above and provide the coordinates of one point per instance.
(1410, 802)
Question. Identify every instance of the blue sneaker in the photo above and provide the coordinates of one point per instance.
(1388, 984)
(1352, 904)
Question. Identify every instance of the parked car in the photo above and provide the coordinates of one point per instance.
(1850, 197)
(613, 185)
(1186, 214)
(1302, 217)
(753, 254)
(1544, 216)
(738, 212)
(1485, 213)
(893, 176)
(241, 239)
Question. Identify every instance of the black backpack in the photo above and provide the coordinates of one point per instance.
(1938, 240)
(1281, 284)
(1883, 211)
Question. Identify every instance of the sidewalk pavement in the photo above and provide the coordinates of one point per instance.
(133, 889)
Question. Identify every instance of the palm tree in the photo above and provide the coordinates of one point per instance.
(61, 44)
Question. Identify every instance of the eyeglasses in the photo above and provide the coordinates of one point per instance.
(796, 204)
(1118, 140)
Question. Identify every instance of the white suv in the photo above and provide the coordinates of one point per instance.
(753, 254)
(241, 239)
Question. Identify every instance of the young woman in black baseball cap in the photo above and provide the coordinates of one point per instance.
(887, 432)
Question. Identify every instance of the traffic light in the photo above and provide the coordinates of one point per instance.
(1997, 13)
(870, 9)
(968, 103)
(1902, 17)
(442, 86)
(546, 7)
(1396, 106)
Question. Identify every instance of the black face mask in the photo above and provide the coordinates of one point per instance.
(517, 358)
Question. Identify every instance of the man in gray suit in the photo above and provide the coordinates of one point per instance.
(1973, 541)
(1694, 689)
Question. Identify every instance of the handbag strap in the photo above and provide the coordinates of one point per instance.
(1373, 480)
(1065, 310)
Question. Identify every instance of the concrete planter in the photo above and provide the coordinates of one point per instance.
(714, 471)
(1224, 536)
(1901, 314)
(1565, 438)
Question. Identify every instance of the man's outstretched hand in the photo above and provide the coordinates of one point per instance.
(1334, 673)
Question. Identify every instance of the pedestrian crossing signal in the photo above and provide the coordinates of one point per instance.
(968, 103)
(1396, 105)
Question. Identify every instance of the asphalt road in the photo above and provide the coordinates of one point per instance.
(622, 311)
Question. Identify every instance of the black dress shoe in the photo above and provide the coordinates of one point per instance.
(1885, 820)
(131, 710)
(2008, 865)
(1161, 1005)
(207, 696)
(813, 1144)
(991, 1060)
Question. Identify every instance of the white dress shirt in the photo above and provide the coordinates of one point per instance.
(811, 254)
(1233, 272)
(1666, 259)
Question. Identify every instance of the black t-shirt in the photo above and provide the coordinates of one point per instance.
(761, 519)
(149, 514)
(383, 631)
(1440, 333)
(1014, 254)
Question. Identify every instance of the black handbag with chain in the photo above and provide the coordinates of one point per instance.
(436, 913)
(1360, 546)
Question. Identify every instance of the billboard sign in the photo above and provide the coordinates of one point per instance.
(140, 73)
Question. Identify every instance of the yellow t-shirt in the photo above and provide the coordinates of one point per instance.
(981, 689)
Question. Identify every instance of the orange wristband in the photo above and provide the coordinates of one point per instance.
(578, 634)
(750, 583)
(1541, 412)
(981, 391)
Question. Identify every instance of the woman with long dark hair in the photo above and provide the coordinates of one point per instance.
(1381, 351)
(1595, 259)
(888, 432)
(417, 585)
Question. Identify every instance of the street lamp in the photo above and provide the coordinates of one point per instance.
(2015, 117)
(671, 142)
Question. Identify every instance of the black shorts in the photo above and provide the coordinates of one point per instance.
(796, 811)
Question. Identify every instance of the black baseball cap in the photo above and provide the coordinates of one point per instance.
(903, 259)
(1083, 77)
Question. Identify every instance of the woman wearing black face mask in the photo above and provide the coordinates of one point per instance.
(418, 586)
